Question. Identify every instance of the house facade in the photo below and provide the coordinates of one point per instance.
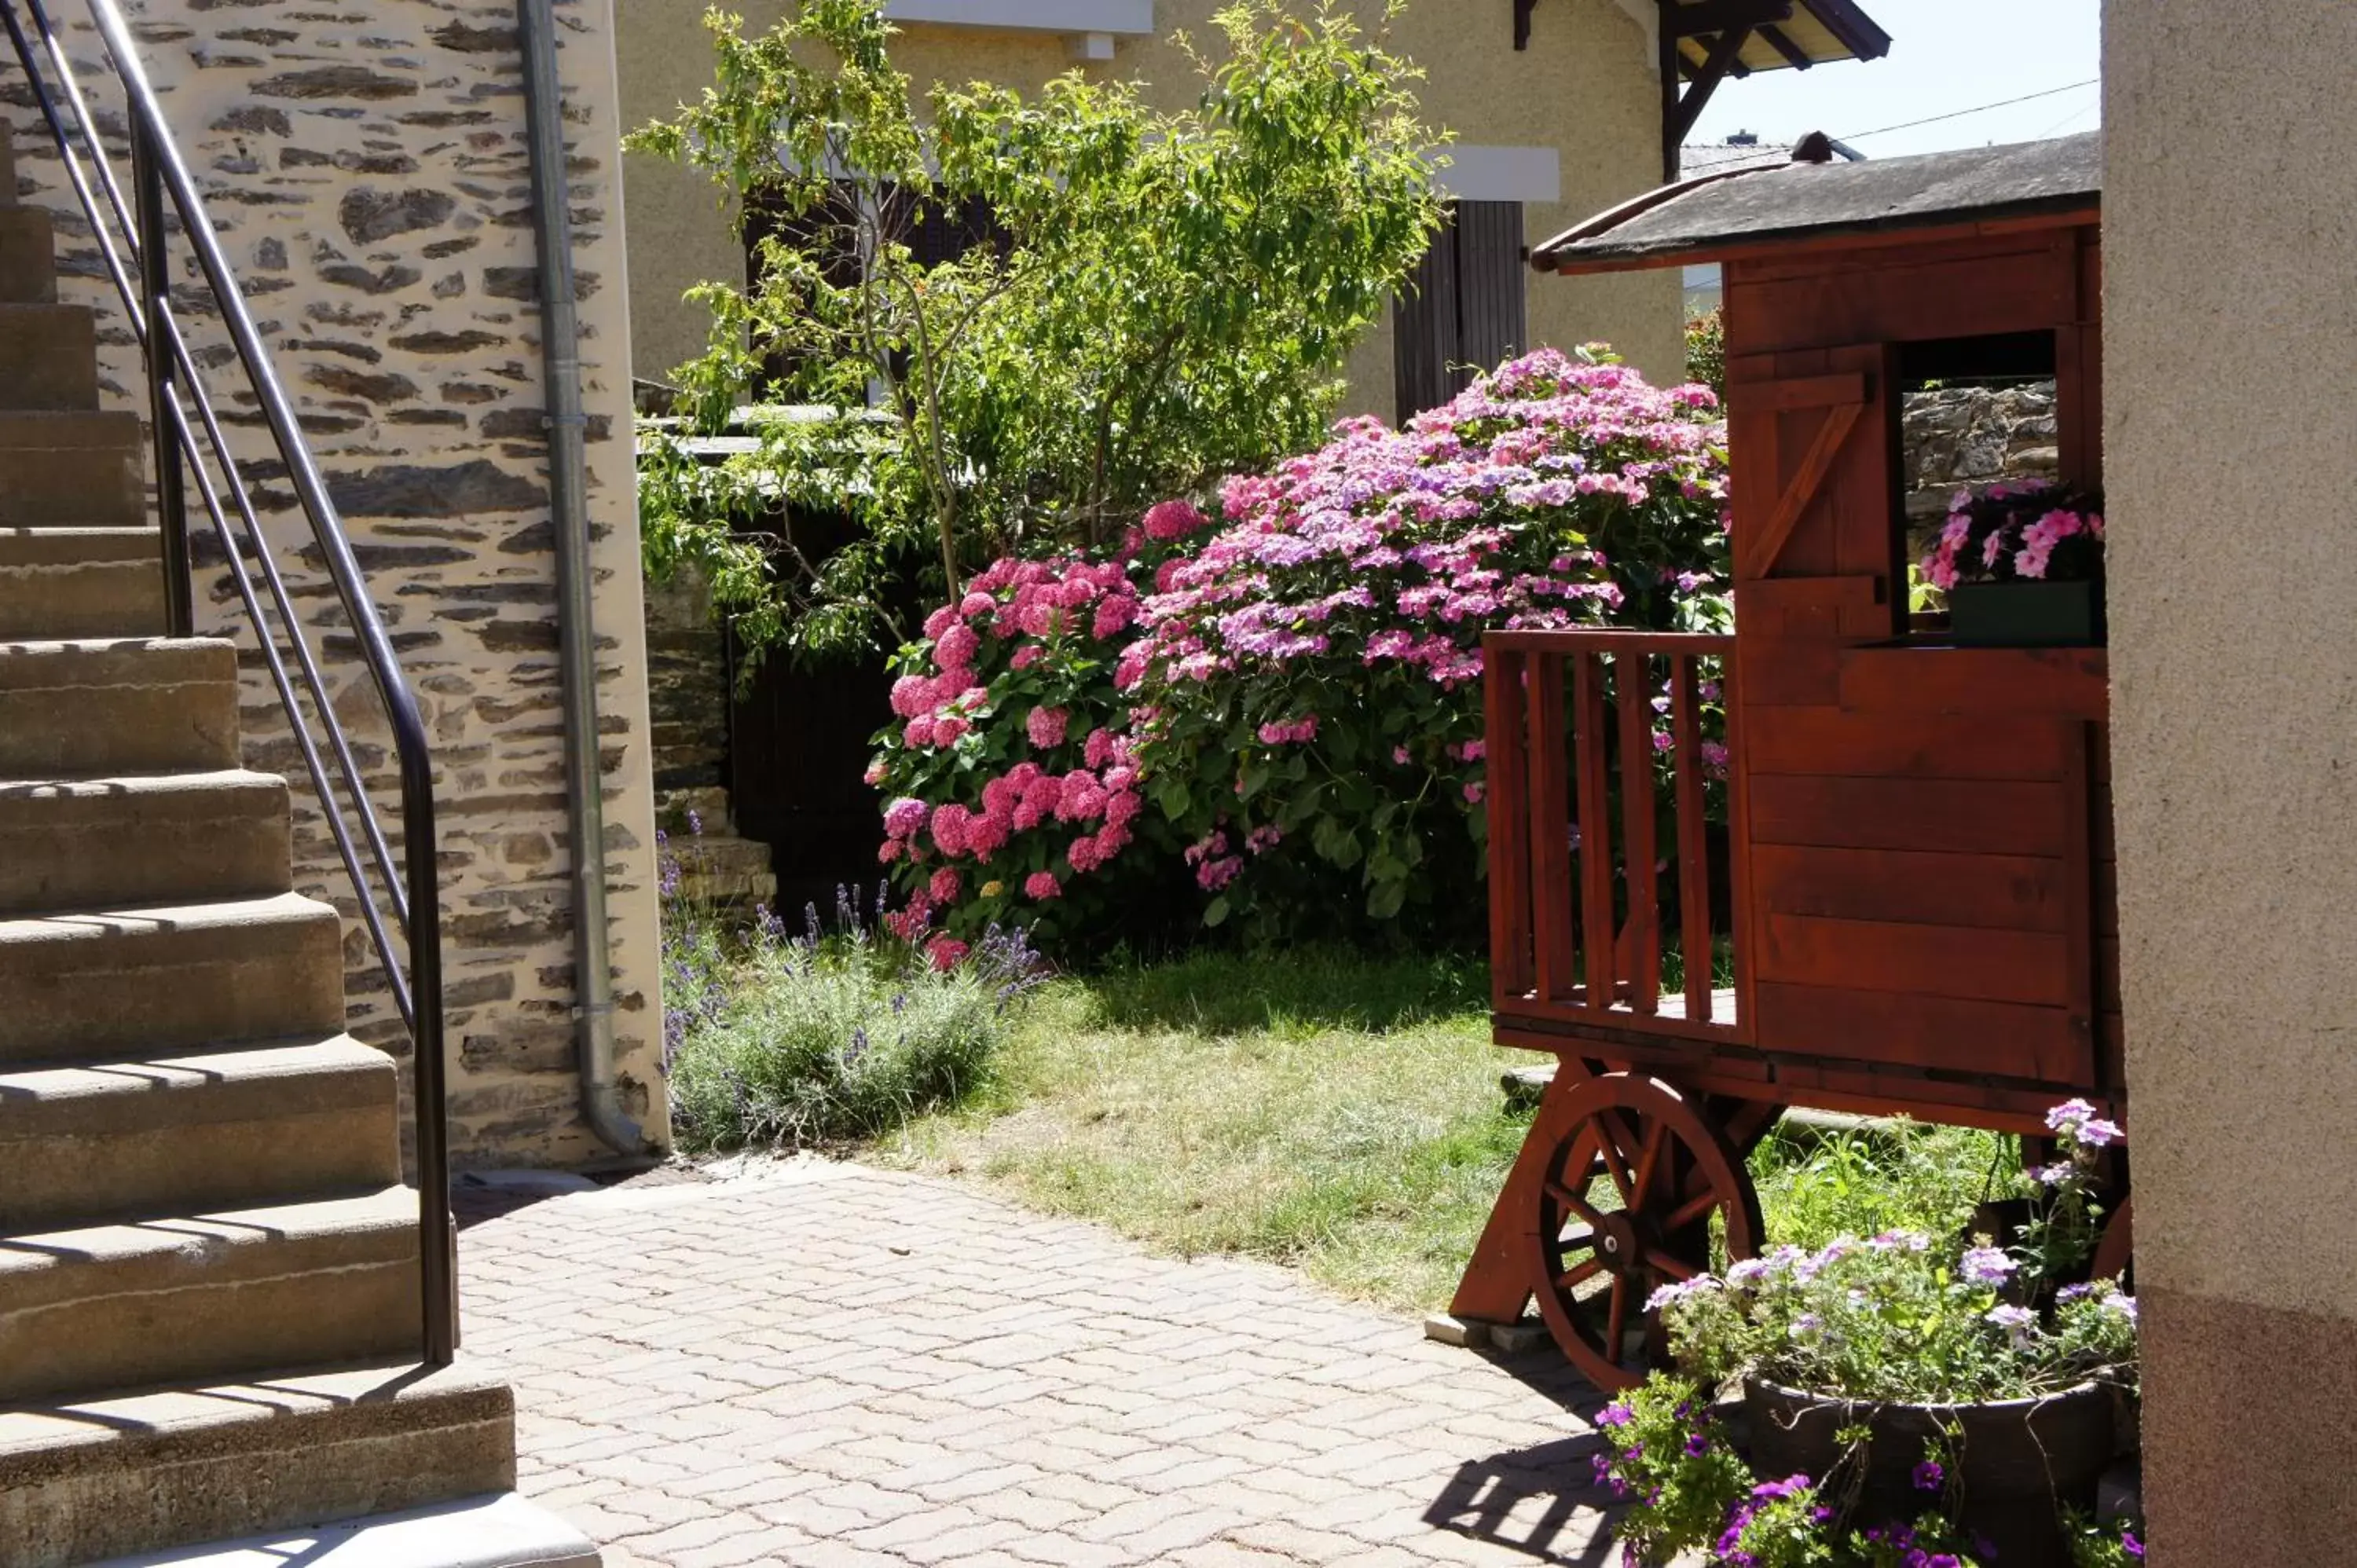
(2231, 455)
(1556, 111)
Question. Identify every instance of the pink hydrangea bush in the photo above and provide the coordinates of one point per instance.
(1009, 773)
(1306, 685)
(1286, 711)
(2022, 530)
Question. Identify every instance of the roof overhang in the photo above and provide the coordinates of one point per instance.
(1777, 35)
(1746, 212)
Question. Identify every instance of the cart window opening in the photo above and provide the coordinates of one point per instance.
(1973, 411)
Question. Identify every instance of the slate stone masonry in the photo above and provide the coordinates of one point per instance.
(366, 167)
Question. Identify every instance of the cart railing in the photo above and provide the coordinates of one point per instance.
(1579, 919)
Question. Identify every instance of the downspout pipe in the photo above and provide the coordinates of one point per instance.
(568, 500)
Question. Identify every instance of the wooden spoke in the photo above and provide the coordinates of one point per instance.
(1657, 1137)
(1615, 1164)
(1673, 1168)
(1575, 1202)
(1573, 1279)
(1677, 1268)
(1686, 1213)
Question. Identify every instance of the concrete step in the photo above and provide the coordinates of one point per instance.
(49, 356)
(100, 1141)
(131, 705)
(81, 582)
(723, 870)
(326, 1283)
(498, 1531)
(164, 978)
(148, 1471)
(28, 256)
(88, 843)
(71, 470)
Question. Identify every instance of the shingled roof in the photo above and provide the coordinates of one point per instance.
(1698, 219)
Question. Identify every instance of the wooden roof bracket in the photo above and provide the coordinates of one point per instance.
(1729, 24)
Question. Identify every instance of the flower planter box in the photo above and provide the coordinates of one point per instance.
(2018, 1462)
(2026, 615)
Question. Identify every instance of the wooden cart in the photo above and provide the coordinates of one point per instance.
(1915, 876)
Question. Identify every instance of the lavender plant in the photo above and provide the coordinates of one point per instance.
(843, 1030)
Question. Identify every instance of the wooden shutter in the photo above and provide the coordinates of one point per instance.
(1424, 328)
(1463, 310)
(1490, 284)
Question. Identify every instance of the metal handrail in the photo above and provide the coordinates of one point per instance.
(132, 240)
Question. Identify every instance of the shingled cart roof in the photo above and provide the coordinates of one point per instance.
(1694, 220)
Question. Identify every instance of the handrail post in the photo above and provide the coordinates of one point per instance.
(439, 1244)
(155, 302)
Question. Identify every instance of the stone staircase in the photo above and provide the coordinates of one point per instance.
(209, 1293)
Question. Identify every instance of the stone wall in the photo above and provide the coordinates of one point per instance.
(1973, 435)
(687, 699)
(366, 166)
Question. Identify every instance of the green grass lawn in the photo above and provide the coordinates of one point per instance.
(1342, 1115)
(1336, 1113)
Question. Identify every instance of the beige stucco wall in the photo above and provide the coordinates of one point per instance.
(1586, 86)
(2231, 457)
(366, 168)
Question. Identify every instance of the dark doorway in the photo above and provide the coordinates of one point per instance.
(801, 733)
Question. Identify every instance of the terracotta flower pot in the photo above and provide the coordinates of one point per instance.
(2014, 1463)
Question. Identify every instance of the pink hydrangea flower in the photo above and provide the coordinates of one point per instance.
(956, 647)
(943, 887)
(949, 827)
(1300, 731)
(904, 817)
(945, 953)
(1042, 885)
(1173, 520)
(1046, 727)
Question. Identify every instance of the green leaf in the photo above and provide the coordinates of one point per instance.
(1215, 913)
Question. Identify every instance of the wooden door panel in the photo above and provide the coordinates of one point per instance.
(1965, 816)
(1937, 1033)
(1960, 962)
(1824, 741)
(1998, 892)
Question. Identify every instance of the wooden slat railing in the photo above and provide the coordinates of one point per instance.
(1577, 905)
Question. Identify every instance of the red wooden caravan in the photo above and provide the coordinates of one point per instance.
(1913, 898)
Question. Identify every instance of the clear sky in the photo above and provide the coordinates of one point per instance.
(1945, 55)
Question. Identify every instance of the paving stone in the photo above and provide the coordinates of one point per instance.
(748, 1374)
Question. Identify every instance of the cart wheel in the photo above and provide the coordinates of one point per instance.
(2116, 1252)
(1597, 1254)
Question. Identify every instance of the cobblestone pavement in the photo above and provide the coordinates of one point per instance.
(829, 1364)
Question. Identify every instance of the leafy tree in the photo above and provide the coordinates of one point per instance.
(1162, 299)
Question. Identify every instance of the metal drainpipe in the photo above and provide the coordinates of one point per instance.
(568, 486)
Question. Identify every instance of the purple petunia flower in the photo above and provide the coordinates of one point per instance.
(1986, 1266)
(1930, 1477)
